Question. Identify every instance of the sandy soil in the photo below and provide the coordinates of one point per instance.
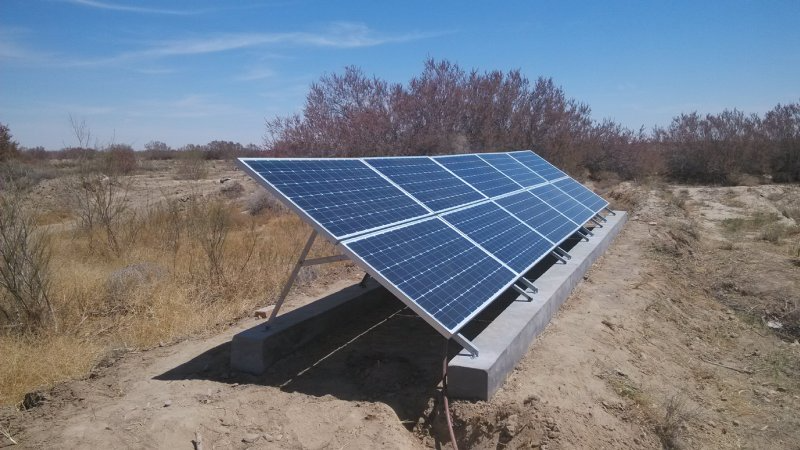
(664, 344)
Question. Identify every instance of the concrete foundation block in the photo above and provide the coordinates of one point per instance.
(506, 340)
(255, 349)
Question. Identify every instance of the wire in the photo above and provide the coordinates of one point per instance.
(445, 403)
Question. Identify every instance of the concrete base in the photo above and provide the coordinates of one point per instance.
(255, 349)
(506, 340)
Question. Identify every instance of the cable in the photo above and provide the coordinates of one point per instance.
(445, 403)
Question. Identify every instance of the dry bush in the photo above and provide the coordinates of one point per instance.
(669, 424)
(24, 270)
(119, 159)
(209, 223)
(100, 203)
(262, 201)
(191, 166)
(232, 190)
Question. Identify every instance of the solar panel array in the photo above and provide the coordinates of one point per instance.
(446, 234)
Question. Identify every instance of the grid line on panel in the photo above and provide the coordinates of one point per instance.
(563, 203)
(501, 234)
(538, 164)
(513, 169)
(428, 182)
(436, 268)
(479, 174)
(546, 220)
(582, 194)
(345, 196)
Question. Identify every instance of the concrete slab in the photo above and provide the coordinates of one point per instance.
(255, 349)
(507, 338)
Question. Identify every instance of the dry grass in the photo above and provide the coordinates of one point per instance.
(755, 222)
(58, 358)
(179, 268)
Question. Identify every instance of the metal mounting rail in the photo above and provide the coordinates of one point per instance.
(303, 262)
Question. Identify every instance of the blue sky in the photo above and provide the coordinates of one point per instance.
(194, 71)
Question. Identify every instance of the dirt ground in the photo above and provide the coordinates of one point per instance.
(683, 335)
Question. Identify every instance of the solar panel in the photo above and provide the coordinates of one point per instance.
(437, 269)
(343, 195)
(538, 165)
(539, 215)
(582, 194)
(446, 234)
(427, 181)
(503, 235)
(563, 203)
(513, 169)
(478, 173)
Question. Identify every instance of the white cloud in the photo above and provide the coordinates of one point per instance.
(255, 74)
(134, 9)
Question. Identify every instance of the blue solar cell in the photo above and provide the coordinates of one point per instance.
(501, 234)
(343, 195)
(563, 203)
(538, 165)
(427, 181)
(513, 169)
(435, 267)
(582, 194)
(539, 215)
(480, 174)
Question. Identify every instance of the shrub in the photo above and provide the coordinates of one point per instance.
(24, 269)
(191, 166)
(8, 147)
(119, 159)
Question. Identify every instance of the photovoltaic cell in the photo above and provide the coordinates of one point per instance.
(513, 169)
(582, 194)
(427, 181)
(504, 236)
(343, 195)
(539, 215)
(478, 173)
(563, 203)
(436, 268)
(538, 165)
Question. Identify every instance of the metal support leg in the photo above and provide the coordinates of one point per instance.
(364, 280)
(600, 218)
(563, 253)
(599, 225)
(583, 235)
(555, 253)
(523, 292)
(462, 341)
(529, 284)
(587, 232)
(293, 276)
(610, 211)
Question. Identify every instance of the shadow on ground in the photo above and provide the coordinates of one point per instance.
(385, 354)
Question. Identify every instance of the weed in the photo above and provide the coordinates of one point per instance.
(669, 424)
(772, 233)
(791, 213)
